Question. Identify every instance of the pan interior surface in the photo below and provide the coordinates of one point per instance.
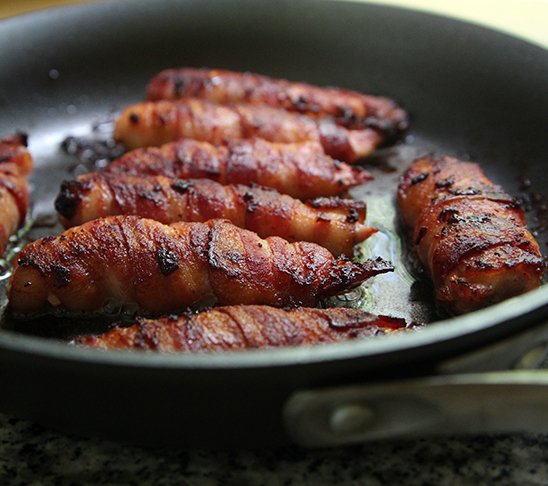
(471, 93)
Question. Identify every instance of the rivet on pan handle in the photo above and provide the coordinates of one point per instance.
(444, 405)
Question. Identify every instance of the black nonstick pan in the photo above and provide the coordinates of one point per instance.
(471, 92)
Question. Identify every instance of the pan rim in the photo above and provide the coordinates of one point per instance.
(441, 331)
(86, 4)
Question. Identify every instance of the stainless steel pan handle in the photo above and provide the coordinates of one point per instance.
(473, 393)
(508, 401)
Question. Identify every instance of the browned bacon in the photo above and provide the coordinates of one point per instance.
(468, 233)
(348, 108)
(336, 224)
(245, 327)
(15, 164)
(159, 122)
(160, 268)
(301, 170)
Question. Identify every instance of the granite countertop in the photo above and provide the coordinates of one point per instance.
(30, 454)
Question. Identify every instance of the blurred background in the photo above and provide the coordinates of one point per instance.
(524, 18)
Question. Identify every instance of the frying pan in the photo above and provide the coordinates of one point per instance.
(471, 93)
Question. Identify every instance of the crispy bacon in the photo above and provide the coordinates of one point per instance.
(160, 268)
(348, 108)
(333, 223)
(468, 233)
(15, 164)
(245, 327)
(301, 170)
(159, 122)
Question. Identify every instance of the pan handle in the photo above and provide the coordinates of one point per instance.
(510, 401)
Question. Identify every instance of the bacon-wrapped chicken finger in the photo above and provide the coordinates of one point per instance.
(336, 224)
(244, 327)
(301, 169)
(468, 233)
(15, 164)
(155, 123)
(161, 269)
(348, 108)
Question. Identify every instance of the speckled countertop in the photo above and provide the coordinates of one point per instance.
(30, 454)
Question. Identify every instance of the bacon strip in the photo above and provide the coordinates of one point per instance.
(156, 123)
(348, 108)
(15, 164)
(245, 327)
(161, 269)
(468, 233)
(333, 223)
(301, 170)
